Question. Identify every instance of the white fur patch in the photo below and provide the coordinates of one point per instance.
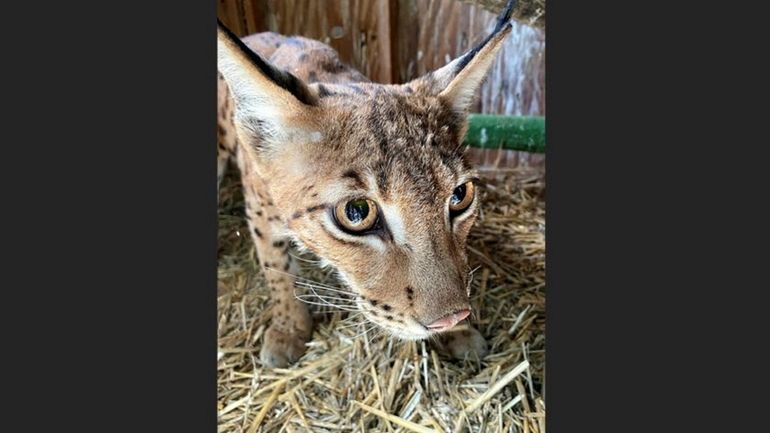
(316, 136)
(395, 223)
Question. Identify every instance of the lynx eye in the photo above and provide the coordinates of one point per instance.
(461, 199)
(357, 215)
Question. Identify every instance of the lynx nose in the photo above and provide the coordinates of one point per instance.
(449, 321)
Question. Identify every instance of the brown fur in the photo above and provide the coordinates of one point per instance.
(398, 145)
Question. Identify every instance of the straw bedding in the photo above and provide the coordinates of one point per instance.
(356, 379)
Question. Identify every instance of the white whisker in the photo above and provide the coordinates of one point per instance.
(327, 304)
(302, 283)
(325, 298)
(365, 332)
(341, 307)
(349, 322)
(352, 325)
(315, 262)
(301, 278)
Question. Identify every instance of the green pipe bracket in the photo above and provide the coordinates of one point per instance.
(489, 131)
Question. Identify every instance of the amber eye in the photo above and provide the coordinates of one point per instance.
(356, 215)
(461, 199)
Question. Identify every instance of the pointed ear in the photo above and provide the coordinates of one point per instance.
(270, 104)
(458, 81)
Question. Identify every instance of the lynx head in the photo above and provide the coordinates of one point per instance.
(371, 177)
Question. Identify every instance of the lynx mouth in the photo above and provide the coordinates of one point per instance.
(409, 330)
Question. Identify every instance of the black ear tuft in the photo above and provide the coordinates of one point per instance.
(281, 78)
(503, 21)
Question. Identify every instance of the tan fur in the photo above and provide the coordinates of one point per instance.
(398, 145)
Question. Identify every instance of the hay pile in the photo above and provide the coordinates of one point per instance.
(359, 380)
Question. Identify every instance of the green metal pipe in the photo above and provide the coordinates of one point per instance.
(488, 131)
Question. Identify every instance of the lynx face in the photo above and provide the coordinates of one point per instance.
(370, 177)
(384, 196)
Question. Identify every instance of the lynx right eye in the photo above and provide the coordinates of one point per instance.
(356, 216)
(461, 199)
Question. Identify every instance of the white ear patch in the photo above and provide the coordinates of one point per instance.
(458, 80)
(462, 89)
(260, 103)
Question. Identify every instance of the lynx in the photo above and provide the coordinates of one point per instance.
(370, 177)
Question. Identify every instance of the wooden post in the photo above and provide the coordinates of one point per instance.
(387, 40)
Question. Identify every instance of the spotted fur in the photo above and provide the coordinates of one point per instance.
(308, 132)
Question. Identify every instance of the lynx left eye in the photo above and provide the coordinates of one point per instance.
(461, 199)
(356, 216)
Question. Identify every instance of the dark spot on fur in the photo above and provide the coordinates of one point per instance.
(315, 208)
(382, 173)
(373, 302)
(338, 66)
(386, 307)
(323, 92)
(389, 317)
(259, 213)
(312, 77)
(352, 174)
(257, 232)
(296, 214)
(294, 41)
(315, 194)
(278, 244)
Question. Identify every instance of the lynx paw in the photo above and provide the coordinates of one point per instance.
(285, 339)
(465, 344)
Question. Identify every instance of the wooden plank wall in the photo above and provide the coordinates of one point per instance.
(397, 40)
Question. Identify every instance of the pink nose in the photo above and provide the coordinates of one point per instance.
(449, 321)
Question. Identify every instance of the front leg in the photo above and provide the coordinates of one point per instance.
(291, 326)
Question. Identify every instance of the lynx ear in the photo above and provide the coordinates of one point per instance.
(270, 104)
(458, 81)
